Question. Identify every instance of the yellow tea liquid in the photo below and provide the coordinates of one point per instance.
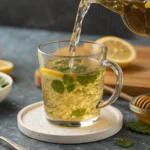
(72, 94)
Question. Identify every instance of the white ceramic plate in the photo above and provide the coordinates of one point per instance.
(33, 123)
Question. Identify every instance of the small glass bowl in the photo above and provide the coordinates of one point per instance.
(142, 114)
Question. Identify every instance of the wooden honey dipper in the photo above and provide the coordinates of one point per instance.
(142, 101)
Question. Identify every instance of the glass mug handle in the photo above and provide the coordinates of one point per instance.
(119, 83)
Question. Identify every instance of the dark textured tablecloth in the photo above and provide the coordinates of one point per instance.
(20, 47)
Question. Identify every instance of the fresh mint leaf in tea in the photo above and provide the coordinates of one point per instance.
(69, 95)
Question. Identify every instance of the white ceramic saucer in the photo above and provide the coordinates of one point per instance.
(33, 123)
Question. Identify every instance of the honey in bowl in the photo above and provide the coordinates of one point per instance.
(140, 105)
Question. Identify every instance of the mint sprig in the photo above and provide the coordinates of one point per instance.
(58, 86)
(139, 126)
(124, 142)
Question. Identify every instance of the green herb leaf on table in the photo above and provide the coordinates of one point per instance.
(124, 142)
(58, 86)
(70, 87)
(78, 112)
(67, 80)
(139, 126)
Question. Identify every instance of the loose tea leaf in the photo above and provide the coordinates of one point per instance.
(58, 86)
(78, 112)
(124, 142)
(139, 126)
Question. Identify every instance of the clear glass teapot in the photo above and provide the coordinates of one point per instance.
(135, 13)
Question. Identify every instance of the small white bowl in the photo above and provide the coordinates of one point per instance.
(6, 90)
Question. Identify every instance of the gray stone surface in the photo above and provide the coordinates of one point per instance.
(20, 47)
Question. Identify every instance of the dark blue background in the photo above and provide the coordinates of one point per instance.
(60, 15)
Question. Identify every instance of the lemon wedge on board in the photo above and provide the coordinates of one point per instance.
(119, 50)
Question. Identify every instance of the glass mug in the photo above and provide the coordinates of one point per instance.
(72, 86)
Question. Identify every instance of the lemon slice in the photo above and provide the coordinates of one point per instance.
(51, 72)
(147, 5)
(119, 50)
(6, 66)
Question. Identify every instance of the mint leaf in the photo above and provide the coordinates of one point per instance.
(78, 69)
(83, 80)
(70, 87)
(62, 69)
(86, 79)
(139, 126)
(58, 86)
(124, 142)
(61, 61)
(92, 78)
(78, 112)
(67, 79)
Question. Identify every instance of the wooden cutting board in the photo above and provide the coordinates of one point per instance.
(136, 76)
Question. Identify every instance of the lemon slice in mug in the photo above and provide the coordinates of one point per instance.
(51, 73)
(119, 50)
